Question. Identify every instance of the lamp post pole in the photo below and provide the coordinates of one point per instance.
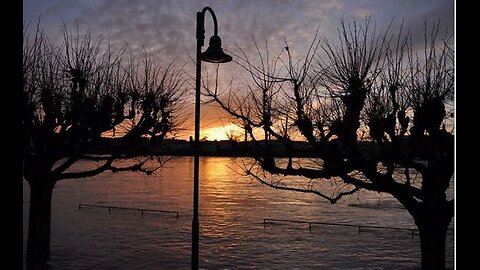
(195, 223)
(213, 54)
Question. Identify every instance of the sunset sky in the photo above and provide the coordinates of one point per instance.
(166, 28)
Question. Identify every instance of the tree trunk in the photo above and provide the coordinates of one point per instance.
(38, 245)
(432, 241)
(432, 217)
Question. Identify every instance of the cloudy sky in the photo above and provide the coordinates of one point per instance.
(167, 27)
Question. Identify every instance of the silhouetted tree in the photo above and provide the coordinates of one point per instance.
(373, 110)
(83, 101)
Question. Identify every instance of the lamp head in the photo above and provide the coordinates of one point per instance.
(214, 52)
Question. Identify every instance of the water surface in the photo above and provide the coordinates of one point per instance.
(232, 233)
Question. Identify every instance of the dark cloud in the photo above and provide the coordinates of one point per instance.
(169, 25)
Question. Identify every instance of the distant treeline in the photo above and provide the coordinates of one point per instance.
(226, 148)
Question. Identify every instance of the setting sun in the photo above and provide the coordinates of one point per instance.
(227, 132)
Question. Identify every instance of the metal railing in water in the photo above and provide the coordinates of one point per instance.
(142, 210)
(272, 220)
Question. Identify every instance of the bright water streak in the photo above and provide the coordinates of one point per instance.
(232, 234)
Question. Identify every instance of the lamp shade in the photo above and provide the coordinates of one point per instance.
(214, 52)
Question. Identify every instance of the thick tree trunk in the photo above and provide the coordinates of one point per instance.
(432, 241)
(432, 217)
(38, 245)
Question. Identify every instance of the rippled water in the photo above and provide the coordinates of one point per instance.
(232, 233)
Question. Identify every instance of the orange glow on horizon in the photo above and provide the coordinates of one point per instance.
(219, 133)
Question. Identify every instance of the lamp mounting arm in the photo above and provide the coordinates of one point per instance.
(201, 24)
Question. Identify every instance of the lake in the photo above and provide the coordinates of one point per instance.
(232, 230)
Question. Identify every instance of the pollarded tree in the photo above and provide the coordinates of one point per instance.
(83, 101)
(373, 111)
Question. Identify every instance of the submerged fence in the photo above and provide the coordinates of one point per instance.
(272, 220)
(142, 210)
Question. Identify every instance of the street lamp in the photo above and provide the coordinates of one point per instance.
(213, 54)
